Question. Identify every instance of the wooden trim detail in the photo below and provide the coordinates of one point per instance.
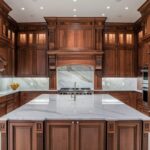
(3, 130)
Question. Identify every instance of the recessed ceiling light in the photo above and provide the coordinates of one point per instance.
(74, 15)
(22, 8)
(41, 7)
(103, 14)
(74, 0)
(126, 8)
(74, 10)
(108, 7)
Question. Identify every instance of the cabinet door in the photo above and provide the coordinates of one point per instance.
(125, 63)
(145, 55)
(3, 108)
(124, 135)
(41, 63)
(6, 53)
(90, 135)
(110, 63)
(25, 135)
(25, 62)
(59, 135)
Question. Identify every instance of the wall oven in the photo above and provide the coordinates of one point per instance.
(145, 83)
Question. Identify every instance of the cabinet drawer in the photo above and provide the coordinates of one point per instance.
(3, 107)
(10, 106)
(2, 99)
(9, 97)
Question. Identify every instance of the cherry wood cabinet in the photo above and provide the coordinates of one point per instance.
(110, 64)
(90, 135)
(125, 63)
(31, 63)
(124, 135)
(25, 135)
(9, 103)
(31, 54)
(128, 97)
(25, 60)
(8, 28)
(75, 135)
(119, 50)
(3, 108)
(59, 135)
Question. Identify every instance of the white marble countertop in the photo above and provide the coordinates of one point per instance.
(7, 92)
(86, 107)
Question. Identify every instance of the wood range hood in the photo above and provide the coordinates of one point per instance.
(75, 41)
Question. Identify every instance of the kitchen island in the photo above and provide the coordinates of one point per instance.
(92, 122)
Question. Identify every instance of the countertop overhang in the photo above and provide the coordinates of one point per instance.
(86, 107)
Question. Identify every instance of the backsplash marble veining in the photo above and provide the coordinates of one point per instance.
(25, 83)
(119, 84)
(81, 74)
(66, 78)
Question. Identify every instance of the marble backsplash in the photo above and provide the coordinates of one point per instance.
(84, 76)
(25, 83)
(119, 84)
(81, 74)
(67, 79)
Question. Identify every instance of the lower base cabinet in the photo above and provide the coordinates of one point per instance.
(25, 135)
(90, 135)
(59, 135)
(75, 135)
(124, 135)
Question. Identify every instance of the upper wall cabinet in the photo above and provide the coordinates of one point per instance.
(119, 53)
(29, 38)
(110, 38)
(145, 11)
(144, 35)
(7, 40)
(32, 47)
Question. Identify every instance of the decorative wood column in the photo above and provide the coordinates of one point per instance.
(3, 132)
(146, 135)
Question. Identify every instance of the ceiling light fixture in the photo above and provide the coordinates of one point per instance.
(108, 7)
(126, 8)
(74, 10)
(74, 0)
(41, 7)
(103, 14)
(22, 8)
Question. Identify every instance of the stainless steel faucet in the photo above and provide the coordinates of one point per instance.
(74, 94)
